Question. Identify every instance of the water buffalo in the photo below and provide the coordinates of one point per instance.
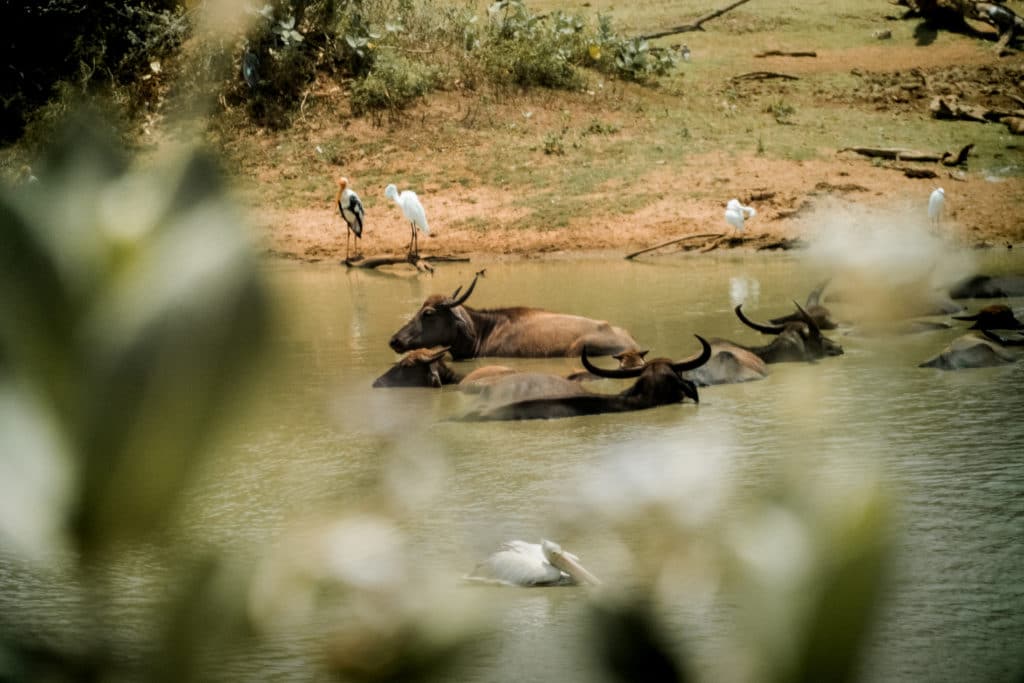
(994, 317)
(658, 383)
(794, 341)
(988, 287)
(419, 368)
(509, 332)
(969, 351)
(729, 364)
(820, 313)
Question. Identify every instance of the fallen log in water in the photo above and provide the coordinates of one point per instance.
(670, 242)
(421, 263)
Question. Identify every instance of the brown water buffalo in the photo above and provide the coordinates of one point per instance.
(969, 351)
(508, 332)
(994, 317)
(535, 396)
(794, 341)
(419, 368)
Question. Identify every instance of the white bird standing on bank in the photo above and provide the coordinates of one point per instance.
(351, 209)
(935, 205)
(530, 564)
(736, 213)
(414, 213)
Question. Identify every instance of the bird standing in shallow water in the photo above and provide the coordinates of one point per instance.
(413, 211)
(935, 205)
(736, 213)
(351, 209)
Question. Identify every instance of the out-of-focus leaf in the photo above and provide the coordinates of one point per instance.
(133, 307)
(631, 643)
(36, 475)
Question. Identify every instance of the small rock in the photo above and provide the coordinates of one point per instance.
(882, 34)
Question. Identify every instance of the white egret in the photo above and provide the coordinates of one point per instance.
(351, 209)
(736, 213)
(414, 213)
(519, 563)
(935, 205)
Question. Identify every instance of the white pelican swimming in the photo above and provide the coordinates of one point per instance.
(519, 563)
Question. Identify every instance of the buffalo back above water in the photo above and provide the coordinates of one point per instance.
(507, 332)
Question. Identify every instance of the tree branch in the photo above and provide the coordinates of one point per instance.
(696, 25)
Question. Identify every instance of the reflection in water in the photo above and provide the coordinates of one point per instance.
(946, 445)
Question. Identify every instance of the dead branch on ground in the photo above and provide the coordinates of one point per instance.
(763, 76)
(784, 53)
(696, 25)
(675, 241)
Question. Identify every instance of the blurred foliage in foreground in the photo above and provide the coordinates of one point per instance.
(131, 311)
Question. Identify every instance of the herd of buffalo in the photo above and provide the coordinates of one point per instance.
(445, 326)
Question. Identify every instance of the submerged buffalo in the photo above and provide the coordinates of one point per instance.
(528, 396)
(969, 351)
(729, 364)
(988, 287)
(508, 332)
(820, 313)
(794, 342)
(994, 317)
(419, 368)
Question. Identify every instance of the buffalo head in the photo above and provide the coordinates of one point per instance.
(803, 333)
(994, 317)
(820, 313)
(439, 322)
(419, 368)
(659, 381)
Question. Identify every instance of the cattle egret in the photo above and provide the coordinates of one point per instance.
(935, 205)
(736, 213)
(533, 564)
(351, 209)
(410, 205)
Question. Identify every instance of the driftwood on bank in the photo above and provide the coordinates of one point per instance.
(670, 242)
(764, 76)
(901, 154)
(421, 263)
(784, 53)
(696, 25)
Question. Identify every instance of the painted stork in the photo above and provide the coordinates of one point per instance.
(351, 209)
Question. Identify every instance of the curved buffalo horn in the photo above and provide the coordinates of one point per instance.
(763, 329)
(618, 373)
(696, 361)
(457, 300)
(815, 332)
(814, 298)
(967, 317)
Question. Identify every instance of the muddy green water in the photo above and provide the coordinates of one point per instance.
(948, 447)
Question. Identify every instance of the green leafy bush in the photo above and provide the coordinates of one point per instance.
(392, 85)
(526, 49)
